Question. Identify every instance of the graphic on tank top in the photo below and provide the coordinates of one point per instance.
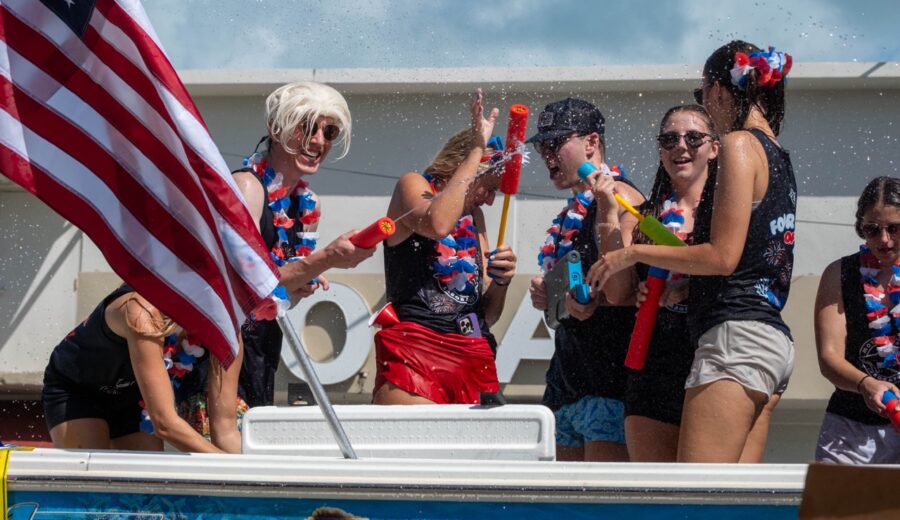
(455, 266)
(781, 241)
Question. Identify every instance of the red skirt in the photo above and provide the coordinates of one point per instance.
(444, 368)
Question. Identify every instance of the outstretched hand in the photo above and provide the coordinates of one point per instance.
(482, 127)
(608, 265)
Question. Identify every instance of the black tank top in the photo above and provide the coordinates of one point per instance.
(589, 355)
(262, 339)
(758, 288)
(859, 348)
(418, 296)
(93, 356)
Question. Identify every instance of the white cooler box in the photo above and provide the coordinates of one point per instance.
(509, 432)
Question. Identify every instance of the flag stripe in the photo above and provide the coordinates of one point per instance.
(103, 131)
(150, 116)
(172, 302)
(141, 201)
(114, 113)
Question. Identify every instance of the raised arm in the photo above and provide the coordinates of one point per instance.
(434, 216)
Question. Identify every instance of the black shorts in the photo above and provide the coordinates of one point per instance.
(65, 401)
(657, 392)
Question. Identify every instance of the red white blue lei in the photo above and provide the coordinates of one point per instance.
(280, 202)
(883, 323)
(568, 224)
(180, 359)
(455, 263)
(673, 218)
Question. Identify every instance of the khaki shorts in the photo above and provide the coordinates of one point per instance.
(754, 354)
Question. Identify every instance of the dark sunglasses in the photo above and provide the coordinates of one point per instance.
(693, 138)
(698, 95)
(873, 230)
(553, 145)
(330, 132)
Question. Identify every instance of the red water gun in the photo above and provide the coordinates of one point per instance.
(375, 233)
(512, 168)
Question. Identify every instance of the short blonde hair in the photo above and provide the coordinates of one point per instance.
(302, 103)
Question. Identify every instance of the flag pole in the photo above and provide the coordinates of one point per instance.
(318, 391)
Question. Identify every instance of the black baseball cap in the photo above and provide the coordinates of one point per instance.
(566, 117)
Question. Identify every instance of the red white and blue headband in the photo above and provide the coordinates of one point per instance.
(771, 67)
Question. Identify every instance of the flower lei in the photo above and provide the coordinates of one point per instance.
(180, 359)
(280, 202)
(568, 224)
(880, 318)
(455, 263)
(673, 218)
(771, 67)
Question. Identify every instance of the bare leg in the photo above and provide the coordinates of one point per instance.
(139, 441)
(605, 451)
(716, 421)
(569, 454)
(389, 393)
(755, 447)
(86, 434)
(649, 440)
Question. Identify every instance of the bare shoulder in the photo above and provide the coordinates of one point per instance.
(629, 192)
(830, 282)
(248, 183)
(412, 181)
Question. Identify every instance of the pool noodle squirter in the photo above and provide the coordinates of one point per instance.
(656, 280)
(373, 234)
(512, 167)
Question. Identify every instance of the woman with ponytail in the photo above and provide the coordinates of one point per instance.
(741, 266)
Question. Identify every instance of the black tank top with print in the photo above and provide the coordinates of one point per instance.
(417, 294)
(758, 288)
(859, 348)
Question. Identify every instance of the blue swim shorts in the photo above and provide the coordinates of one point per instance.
(591, 418)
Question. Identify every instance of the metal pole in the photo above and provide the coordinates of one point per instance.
(318, 392)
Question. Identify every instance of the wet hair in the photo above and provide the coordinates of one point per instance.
(884, 191)
(300, 104)
(662, 183)
(770, 100)
(451, 156)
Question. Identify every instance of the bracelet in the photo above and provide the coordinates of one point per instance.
(859, 385)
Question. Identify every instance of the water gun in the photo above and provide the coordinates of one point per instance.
(375, 233)
(577, 288)
(512, 167)
(646, 319)
(648, 224)
(889, 400)
(656, 281)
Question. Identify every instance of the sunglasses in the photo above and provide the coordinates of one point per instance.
(330, 132)
(553, 145)
(693, 138)
(698, 95)
(873, 230)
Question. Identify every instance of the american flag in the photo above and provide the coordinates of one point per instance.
(96, 123)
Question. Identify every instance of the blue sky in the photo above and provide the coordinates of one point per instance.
(211, 34)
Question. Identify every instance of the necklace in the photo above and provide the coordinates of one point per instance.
(180, 359)
(280, 200)
(455, 264)
(883, 323)
(568, 224)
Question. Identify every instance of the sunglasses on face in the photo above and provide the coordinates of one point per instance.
(552, 145)
(873, 230)
(693, 138)
(330, 132)
(698, 95)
